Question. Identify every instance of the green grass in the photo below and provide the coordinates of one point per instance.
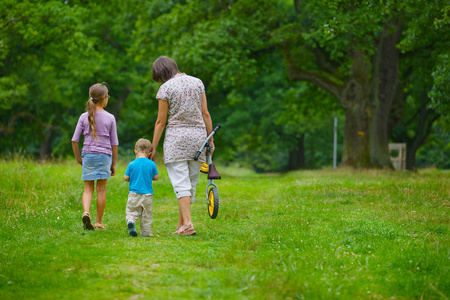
(302, 235)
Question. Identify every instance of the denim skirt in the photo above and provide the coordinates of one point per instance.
(96, 166)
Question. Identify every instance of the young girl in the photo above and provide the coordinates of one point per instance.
(99, 153)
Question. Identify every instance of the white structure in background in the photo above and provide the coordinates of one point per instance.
(399, 161)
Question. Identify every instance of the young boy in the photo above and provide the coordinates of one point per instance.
(140, 173)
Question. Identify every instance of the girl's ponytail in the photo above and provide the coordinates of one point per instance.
(90, 108)
(97, 93)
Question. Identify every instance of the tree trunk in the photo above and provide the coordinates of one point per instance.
(297, 155)
(312, 151)
(46, 145)
(426, 118)
(354, 99)
(356, 140)
(421, 123)
(366, 95)
(411, 151)
(383, 92)
(117, 107)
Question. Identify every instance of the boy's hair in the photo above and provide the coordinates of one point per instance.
(164, 68)
(96, 94)
(143, 146)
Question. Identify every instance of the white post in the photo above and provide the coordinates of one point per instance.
(335, 144)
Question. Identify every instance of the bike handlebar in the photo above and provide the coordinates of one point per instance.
(206, 142)
(197, 155)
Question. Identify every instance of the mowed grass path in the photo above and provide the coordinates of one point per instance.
(303, 235)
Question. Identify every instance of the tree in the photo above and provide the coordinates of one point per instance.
(421, 99)
(351, 53)
(274, 123)
(385, 62)
(436, 151)
(52, 52)
(412, 115)
(428, 30)
(347, 48)
(32, 61)
(230, 46)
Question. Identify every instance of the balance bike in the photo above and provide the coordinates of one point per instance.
(212, 192)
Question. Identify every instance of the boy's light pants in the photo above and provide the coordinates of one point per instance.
(140, 205)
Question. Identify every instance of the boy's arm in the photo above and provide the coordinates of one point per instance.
(127, 174)
(155, 171)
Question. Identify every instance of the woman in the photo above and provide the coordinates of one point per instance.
(182, 98)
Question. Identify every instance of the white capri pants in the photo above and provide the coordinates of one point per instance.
(184, 177)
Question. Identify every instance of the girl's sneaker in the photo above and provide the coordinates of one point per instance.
(132, 228)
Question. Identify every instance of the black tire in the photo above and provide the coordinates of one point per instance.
(213, 202)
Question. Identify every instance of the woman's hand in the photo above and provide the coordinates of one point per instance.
(80, 161)
(152, 156)
(163, 108)
(113, 170)
(212, 148)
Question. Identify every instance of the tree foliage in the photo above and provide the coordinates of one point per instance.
(274, 71)
(428, 29)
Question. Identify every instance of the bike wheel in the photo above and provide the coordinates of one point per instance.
(213, 202)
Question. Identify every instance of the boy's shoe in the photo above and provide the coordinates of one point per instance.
(132, 228)
(87, 221)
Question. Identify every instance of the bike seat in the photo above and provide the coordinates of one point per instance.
(212, 172)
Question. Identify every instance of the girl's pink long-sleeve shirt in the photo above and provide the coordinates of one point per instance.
(106, 133)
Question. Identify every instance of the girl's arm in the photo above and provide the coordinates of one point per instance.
(76, 151)
(163, 108)
(114, 159)
(207, 120)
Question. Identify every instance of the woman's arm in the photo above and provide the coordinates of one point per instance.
(163, 108)
(76, 151)
(207, 120)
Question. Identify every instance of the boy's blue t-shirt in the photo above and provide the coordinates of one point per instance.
(141, 172)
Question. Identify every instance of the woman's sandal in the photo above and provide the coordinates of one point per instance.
(87, 221)
(99, 226)
(186, 230)
(176, 231)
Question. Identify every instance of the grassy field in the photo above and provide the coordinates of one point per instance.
(303, 235)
